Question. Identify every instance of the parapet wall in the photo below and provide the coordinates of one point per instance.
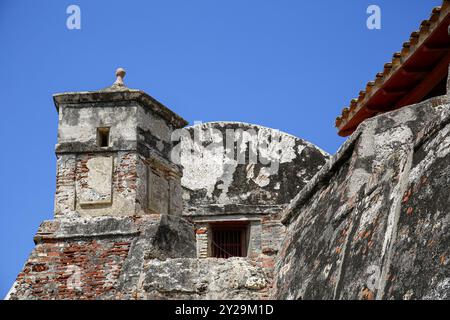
(374, 222)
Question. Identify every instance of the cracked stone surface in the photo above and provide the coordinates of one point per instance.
(231, 164)
(374, 222)
(371, 222)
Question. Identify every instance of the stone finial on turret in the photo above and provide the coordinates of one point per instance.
(120, 74)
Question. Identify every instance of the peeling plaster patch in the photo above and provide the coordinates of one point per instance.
(250, 171)
(373, 273)
(365, 148)
(161, 127)
(300, 149)
(434, 148)
(79, 124)
(444, 148)
(408, 295)
(276, 146)
(389, 141)
(160, 145)
(149, 122)
(76, 133)
(301, 173)
(186, 196)
(394, 214)
(97, 186)
(357, 180)
(263, 179)
(245, 196)
(326, 271)
(205, 169)
(405, 116)
(369, 215)
(227, 179)
(218, 171)
(287, 149)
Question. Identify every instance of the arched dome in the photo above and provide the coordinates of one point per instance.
(229, 164)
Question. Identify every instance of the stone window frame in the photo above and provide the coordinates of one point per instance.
(242, 227)
(254, 233)
(103, 133)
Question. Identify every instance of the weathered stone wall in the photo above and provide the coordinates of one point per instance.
(99, 258)
(118, 231)
(239, 172)
(79, 183)
(230, 279)
(71, 270)
(94, 180)
(152, 257)
(153, 133)
(133, 173)
(265, 236)
(227, 164)
(78, 123)
(374, 222)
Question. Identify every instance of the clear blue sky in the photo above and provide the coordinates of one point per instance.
(290, 65)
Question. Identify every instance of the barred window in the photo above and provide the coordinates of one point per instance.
(229, 239)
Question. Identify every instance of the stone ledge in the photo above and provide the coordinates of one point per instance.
(231, 209)
(120, 95)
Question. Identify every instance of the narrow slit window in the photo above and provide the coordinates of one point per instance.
(103, 137)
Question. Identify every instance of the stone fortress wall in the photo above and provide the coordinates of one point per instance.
(142, 204)
(120, 230)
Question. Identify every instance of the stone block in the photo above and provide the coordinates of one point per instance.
(158, 197)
